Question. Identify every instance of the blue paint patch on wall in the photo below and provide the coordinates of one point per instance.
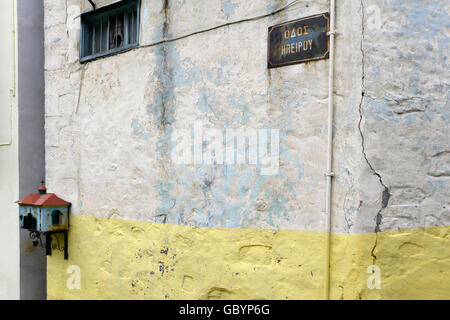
(139, 130)
(228, 7)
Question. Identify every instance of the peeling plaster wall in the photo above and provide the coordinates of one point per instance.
(405, 111)
(109, 122)
(101, 112)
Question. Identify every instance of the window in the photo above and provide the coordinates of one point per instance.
(30, 222)
(109, 30)
(26, 221)
(56, 217)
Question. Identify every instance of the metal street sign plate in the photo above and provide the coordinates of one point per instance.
(299, 41)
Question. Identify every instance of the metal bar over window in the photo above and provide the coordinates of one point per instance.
(109, 30)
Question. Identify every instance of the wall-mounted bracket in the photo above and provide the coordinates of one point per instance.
(48, 243)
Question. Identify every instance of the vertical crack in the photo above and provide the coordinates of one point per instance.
(166, 23)
(385, 196)
(165, 76)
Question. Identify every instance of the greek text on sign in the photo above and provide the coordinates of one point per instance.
(299, 41)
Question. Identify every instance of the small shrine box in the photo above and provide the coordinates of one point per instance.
(44, 212)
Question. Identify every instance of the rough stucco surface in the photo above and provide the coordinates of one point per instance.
(123, 108)
(109, 122)
(141, 260)
(406, 110)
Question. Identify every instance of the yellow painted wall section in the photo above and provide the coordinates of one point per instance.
(123, 259)
(414, 264)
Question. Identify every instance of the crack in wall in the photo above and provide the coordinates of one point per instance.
(385, 196)
(164, 76)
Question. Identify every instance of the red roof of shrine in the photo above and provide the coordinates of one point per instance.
(46, 199)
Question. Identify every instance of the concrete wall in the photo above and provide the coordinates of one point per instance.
(109, 125)
(9, 166)
(30, 41)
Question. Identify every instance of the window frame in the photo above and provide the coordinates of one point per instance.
(101, 14)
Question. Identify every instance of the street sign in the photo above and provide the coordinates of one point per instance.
(299, 41)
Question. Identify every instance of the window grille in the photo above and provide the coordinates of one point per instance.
(109, 30)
